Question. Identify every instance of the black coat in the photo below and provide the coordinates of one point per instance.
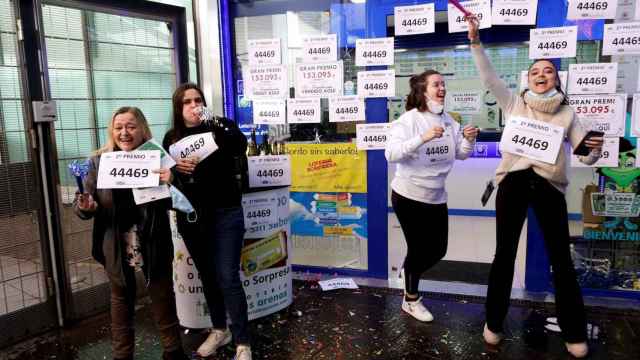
(107, 244)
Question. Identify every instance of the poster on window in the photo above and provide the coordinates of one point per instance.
(265, 262)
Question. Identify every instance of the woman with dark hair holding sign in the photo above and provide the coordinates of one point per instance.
(533, 172)
(213, 237)
(424, 143)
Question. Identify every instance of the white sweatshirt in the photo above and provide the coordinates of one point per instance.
(422, 167)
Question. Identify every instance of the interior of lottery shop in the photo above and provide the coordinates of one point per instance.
(366, 240)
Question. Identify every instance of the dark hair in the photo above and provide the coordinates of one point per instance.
(558, 84)
(418, 83)
(179, 127)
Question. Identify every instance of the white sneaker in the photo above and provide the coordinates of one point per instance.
(490, 337)
(216, 339)
(417, 309)
(578, 350)
(243, 352)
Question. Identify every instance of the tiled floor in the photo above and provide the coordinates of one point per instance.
(365, 324)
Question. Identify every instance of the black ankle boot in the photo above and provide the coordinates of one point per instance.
(175, 355)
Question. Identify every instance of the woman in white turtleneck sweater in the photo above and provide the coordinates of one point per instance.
(424, 142)
(526, 181)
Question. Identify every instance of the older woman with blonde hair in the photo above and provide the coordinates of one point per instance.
(129, 237)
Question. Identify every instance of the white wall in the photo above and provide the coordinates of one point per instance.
(210, 61)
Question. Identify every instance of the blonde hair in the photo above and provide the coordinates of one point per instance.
(141, 121)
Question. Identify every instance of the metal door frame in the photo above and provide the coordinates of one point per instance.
(60, 306)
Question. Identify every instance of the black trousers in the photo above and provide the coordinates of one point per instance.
(426, 230)
(517, 191)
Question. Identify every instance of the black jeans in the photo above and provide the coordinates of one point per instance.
(516, 192)
(214, 243)
(426, 231)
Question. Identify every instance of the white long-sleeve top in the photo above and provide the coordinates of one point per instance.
(422, 167)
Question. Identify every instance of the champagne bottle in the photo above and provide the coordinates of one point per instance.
(266, 145)
(252, 149)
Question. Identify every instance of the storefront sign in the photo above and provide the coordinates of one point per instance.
(266, 82)
(591, 9)
(264, 52)
(320, 48)
(558, 42)
(372, 136)
(608, 157)
(480, 8)
(269, 112)
(598, 78)
(319, 80)
(514, 12)
(379, 83)
(374, 52)
(338, 167)
(601, 112)
(346, 108)
(128, 169)
(533, 139)
(269, 170)
(621, 38)
(415, 19)
(303, 111)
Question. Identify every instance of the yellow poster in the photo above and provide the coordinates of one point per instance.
(336, 167)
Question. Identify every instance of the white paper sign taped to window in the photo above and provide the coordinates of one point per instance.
(414, 19)
(456, 20)
(514, 12)
(264, 52)
(557, 42)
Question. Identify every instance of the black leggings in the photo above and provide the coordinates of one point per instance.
(426, 229)
(517, 191)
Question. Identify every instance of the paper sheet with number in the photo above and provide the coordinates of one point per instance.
(557, 42)
(621, 38)
(514, 12)
(593, 78)
(264, 52)
(373, 52)
(198, 145)
(270, 170)
(128, 169)
(414, 19)
(346, 108)
(591, 9)
(372, 136)
(319, 80)
(377, 83)
(145, 195)
(322, 48)
(533, 139)
(480, 8)
(605, 113)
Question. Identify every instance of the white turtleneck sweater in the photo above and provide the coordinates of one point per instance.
(422, 167)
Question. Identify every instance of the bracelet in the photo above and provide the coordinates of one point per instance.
(475, 41)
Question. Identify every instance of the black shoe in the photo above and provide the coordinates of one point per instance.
(175, 355)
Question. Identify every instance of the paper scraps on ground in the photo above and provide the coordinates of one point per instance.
(338, 283)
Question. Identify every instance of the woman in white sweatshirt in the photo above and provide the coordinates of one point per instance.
(524, 180)
(424, 142)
